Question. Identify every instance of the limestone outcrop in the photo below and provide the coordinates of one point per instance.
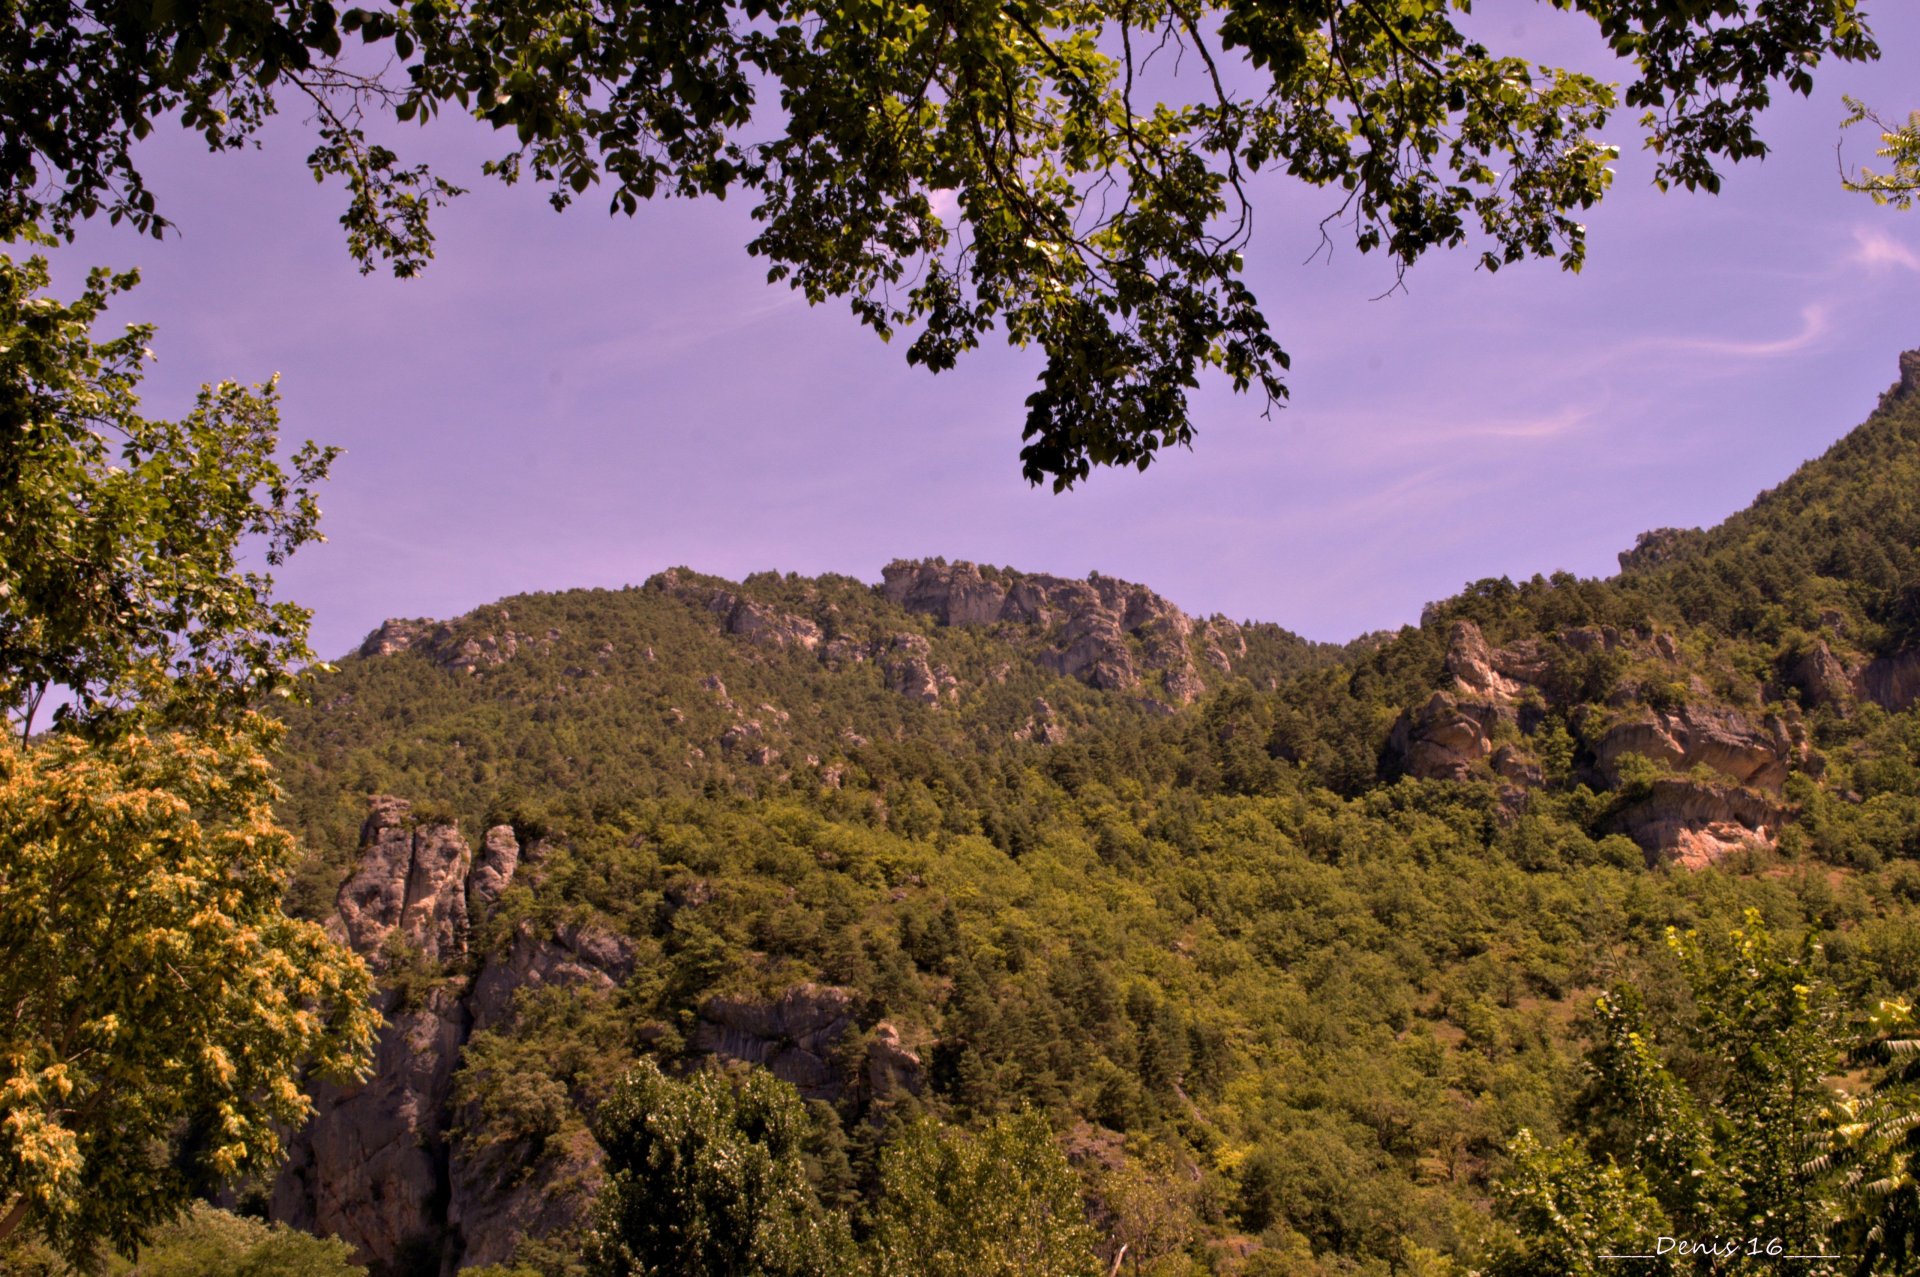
(1471, 662)
(493, 870)
(1694, 824)
(793, 1036)
(1042, 727)
(398, 634)
(371, 1165)
(763, 625)
(893, 1070)
(909, 670)
(1821, 679)
(1109, 634)
(1496, 690)
(952, 595)
(758, 623)
(474, 643)
(1891, 682)
(383, 1165)
(1445, 739)
(799, 1036)
(407, 889)
(1726, 741)
(377, 1165)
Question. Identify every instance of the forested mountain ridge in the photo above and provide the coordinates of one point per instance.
(773, 684)
(1286, 941)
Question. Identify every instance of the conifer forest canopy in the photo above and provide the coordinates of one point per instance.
(1075, 174)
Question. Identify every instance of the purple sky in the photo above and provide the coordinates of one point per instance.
(573, 400)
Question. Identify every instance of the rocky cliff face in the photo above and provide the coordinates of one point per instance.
(1499, 692)
(380, 1164)
(1109, 634)
(377, 1165)
(488, 640)
(1891, 682)
(1694, 824)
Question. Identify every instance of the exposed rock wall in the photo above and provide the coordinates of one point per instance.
(1726, 741)
(1891, 682)
(1693, 824)
(1452, 737)
(380, 1164)
(485, 640)
(1444, 739)
(371, 1167)
(1110, 634)
(377, 1165)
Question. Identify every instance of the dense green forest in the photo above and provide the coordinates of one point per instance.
(1286, 943)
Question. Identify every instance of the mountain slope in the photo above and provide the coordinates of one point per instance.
(1286, 940)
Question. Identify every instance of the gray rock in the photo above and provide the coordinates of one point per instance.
(369, 1168)
(1892, 682)
(794, 1035)
(493, 870)
(410, 880)
(892, 1069)
(1471, 663)
(1086, 630)
(1444, 739)
(378, 1164)
(1821, 679)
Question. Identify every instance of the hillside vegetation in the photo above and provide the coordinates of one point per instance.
(1286, 943)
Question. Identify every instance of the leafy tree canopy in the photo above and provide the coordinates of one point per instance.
(161, 1007)
(121, 537)
(1001, 1203)
(208, 1242)
(1899, 143)
(1037, 165)
(1707, 1137)
(707, 1177)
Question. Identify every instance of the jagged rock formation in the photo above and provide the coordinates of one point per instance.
(380, 1166)
(376, 1165)
(1471, 662)
(1444, 739)
(740, 616)
(1721, 740)
(1825, 681)
(371, 1167)
(1042, 727)
(1451, 736)
(459, 649)
(893, 1071)
(1821, 679)
(909, 671)
(799, 1037)
(1891, 682)
(793, 1036)
(1109, 634)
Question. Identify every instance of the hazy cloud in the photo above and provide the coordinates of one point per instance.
(1814, 323)
(1877, 250)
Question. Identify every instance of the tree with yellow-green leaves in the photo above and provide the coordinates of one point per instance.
(1899, 143)
(158, 1008)
(159, 1005)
